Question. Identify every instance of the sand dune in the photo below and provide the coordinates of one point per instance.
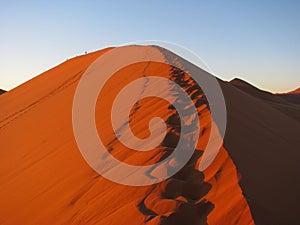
(263, 142)
(288, 104)
(292, 97)
(45, 180)
(255, 92)
(296, 91)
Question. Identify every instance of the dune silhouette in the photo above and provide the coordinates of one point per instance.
(2, 91)
(45, 180)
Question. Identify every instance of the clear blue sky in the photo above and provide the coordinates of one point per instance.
(258, 41)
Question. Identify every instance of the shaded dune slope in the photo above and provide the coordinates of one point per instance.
(45, 180)
(263, 141)
(292, 97)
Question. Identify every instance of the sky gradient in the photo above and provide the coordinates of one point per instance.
(258, 41)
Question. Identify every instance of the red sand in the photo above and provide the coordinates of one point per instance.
(296, 91)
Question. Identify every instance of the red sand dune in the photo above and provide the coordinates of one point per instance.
(45, 180)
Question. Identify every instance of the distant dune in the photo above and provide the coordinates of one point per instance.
(255, 92)
(292, 96)
(45, 180)
(296, 91)
(288, 104)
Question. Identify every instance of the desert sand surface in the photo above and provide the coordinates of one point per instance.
(45, 180)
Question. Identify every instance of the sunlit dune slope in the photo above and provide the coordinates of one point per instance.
(45, 180)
